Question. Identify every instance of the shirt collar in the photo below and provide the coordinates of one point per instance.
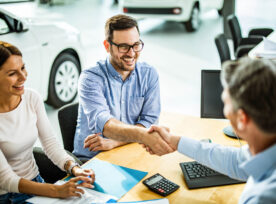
(257, 165)
(113, 71)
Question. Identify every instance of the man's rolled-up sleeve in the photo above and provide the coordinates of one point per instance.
(92, 99)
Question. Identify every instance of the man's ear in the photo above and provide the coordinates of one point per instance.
(106, 45)
(242, 120)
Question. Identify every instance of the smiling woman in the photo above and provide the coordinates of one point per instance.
(12, 77)
(22, 120)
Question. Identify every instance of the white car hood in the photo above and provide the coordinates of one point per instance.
(43, 26)
(56, 29)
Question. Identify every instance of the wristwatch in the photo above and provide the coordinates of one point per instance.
(72, 165)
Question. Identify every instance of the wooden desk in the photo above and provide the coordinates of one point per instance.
(134, 156)
(260, 47)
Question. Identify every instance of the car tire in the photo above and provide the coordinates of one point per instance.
(193, 23)
(63, 83)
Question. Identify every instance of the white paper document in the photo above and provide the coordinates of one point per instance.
(268, 50)
(89, 196)
(269, 45)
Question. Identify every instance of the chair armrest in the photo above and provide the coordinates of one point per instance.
(251, 40)
(243, 50)
(260, 32)
(47, 169)
(75, 158)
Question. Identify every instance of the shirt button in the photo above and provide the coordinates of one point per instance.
(123, 102)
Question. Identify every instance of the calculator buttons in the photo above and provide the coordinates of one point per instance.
(160, 185)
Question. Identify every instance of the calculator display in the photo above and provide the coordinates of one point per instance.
(154, 180)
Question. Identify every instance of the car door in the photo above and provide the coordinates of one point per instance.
(27, 44)
(211, 4)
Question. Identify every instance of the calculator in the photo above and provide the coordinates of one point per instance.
(160, 185)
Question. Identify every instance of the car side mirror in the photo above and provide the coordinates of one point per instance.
(20, 26)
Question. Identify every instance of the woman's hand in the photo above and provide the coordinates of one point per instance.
(70, 188)
(77, 171)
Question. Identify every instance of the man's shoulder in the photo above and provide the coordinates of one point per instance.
(98, 68)
(98, 71)
(145, 67)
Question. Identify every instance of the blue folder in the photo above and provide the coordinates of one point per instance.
(113, 179)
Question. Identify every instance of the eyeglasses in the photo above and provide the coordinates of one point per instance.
(124, 48)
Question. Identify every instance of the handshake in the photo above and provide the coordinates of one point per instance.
(159, 140)
(156, 140)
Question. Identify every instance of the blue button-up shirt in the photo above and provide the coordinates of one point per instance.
(259, 170)
(104, 95)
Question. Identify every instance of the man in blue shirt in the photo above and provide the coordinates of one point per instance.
(249, 98)
(119, 97)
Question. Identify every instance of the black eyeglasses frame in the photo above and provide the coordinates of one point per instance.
(129, 46)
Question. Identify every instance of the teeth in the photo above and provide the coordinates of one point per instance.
(19, 86)
(128, 60)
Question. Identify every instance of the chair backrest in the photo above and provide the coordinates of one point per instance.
(47, 169)
(235, 30)
(223, 48)
(67, 117)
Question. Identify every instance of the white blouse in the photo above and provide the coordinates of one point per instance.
(19, 130)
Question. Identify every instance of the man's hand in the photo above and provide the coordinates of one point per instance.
(95, 142)
(156, 144)
(166, 136)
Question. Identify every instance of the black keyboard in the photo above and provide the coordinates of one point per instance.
(199, 176)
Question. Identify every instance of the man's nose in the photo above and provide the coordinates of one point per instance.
(131, 51)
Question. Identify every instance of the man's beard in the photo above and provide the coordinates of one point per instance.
(120, 65)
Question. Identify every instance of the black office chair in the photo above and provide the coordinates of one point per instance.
(255, 35)
(47, 169)
(67, 118)
(223, 48)
(224, 51)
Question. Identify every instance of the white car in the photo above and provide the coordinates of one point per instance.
(186, 11)
(51, 52)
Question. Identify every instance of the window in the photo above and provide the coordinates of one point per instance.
(4, 28)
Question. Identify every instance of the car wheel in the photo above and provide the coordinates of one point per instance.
(63, 84)
(193, 23)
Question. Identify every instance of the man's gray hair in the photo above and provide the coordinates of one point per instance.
(252, 87)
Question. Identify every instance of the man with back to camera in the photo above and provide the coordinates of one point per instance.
(119, 97)
(249, 98)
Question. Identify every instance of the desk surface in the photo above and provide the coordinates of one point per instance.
(260, 47)
(134, 156)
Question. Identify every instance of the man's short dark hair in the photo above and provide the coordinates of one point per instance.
(252, 88)
(119, 22)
